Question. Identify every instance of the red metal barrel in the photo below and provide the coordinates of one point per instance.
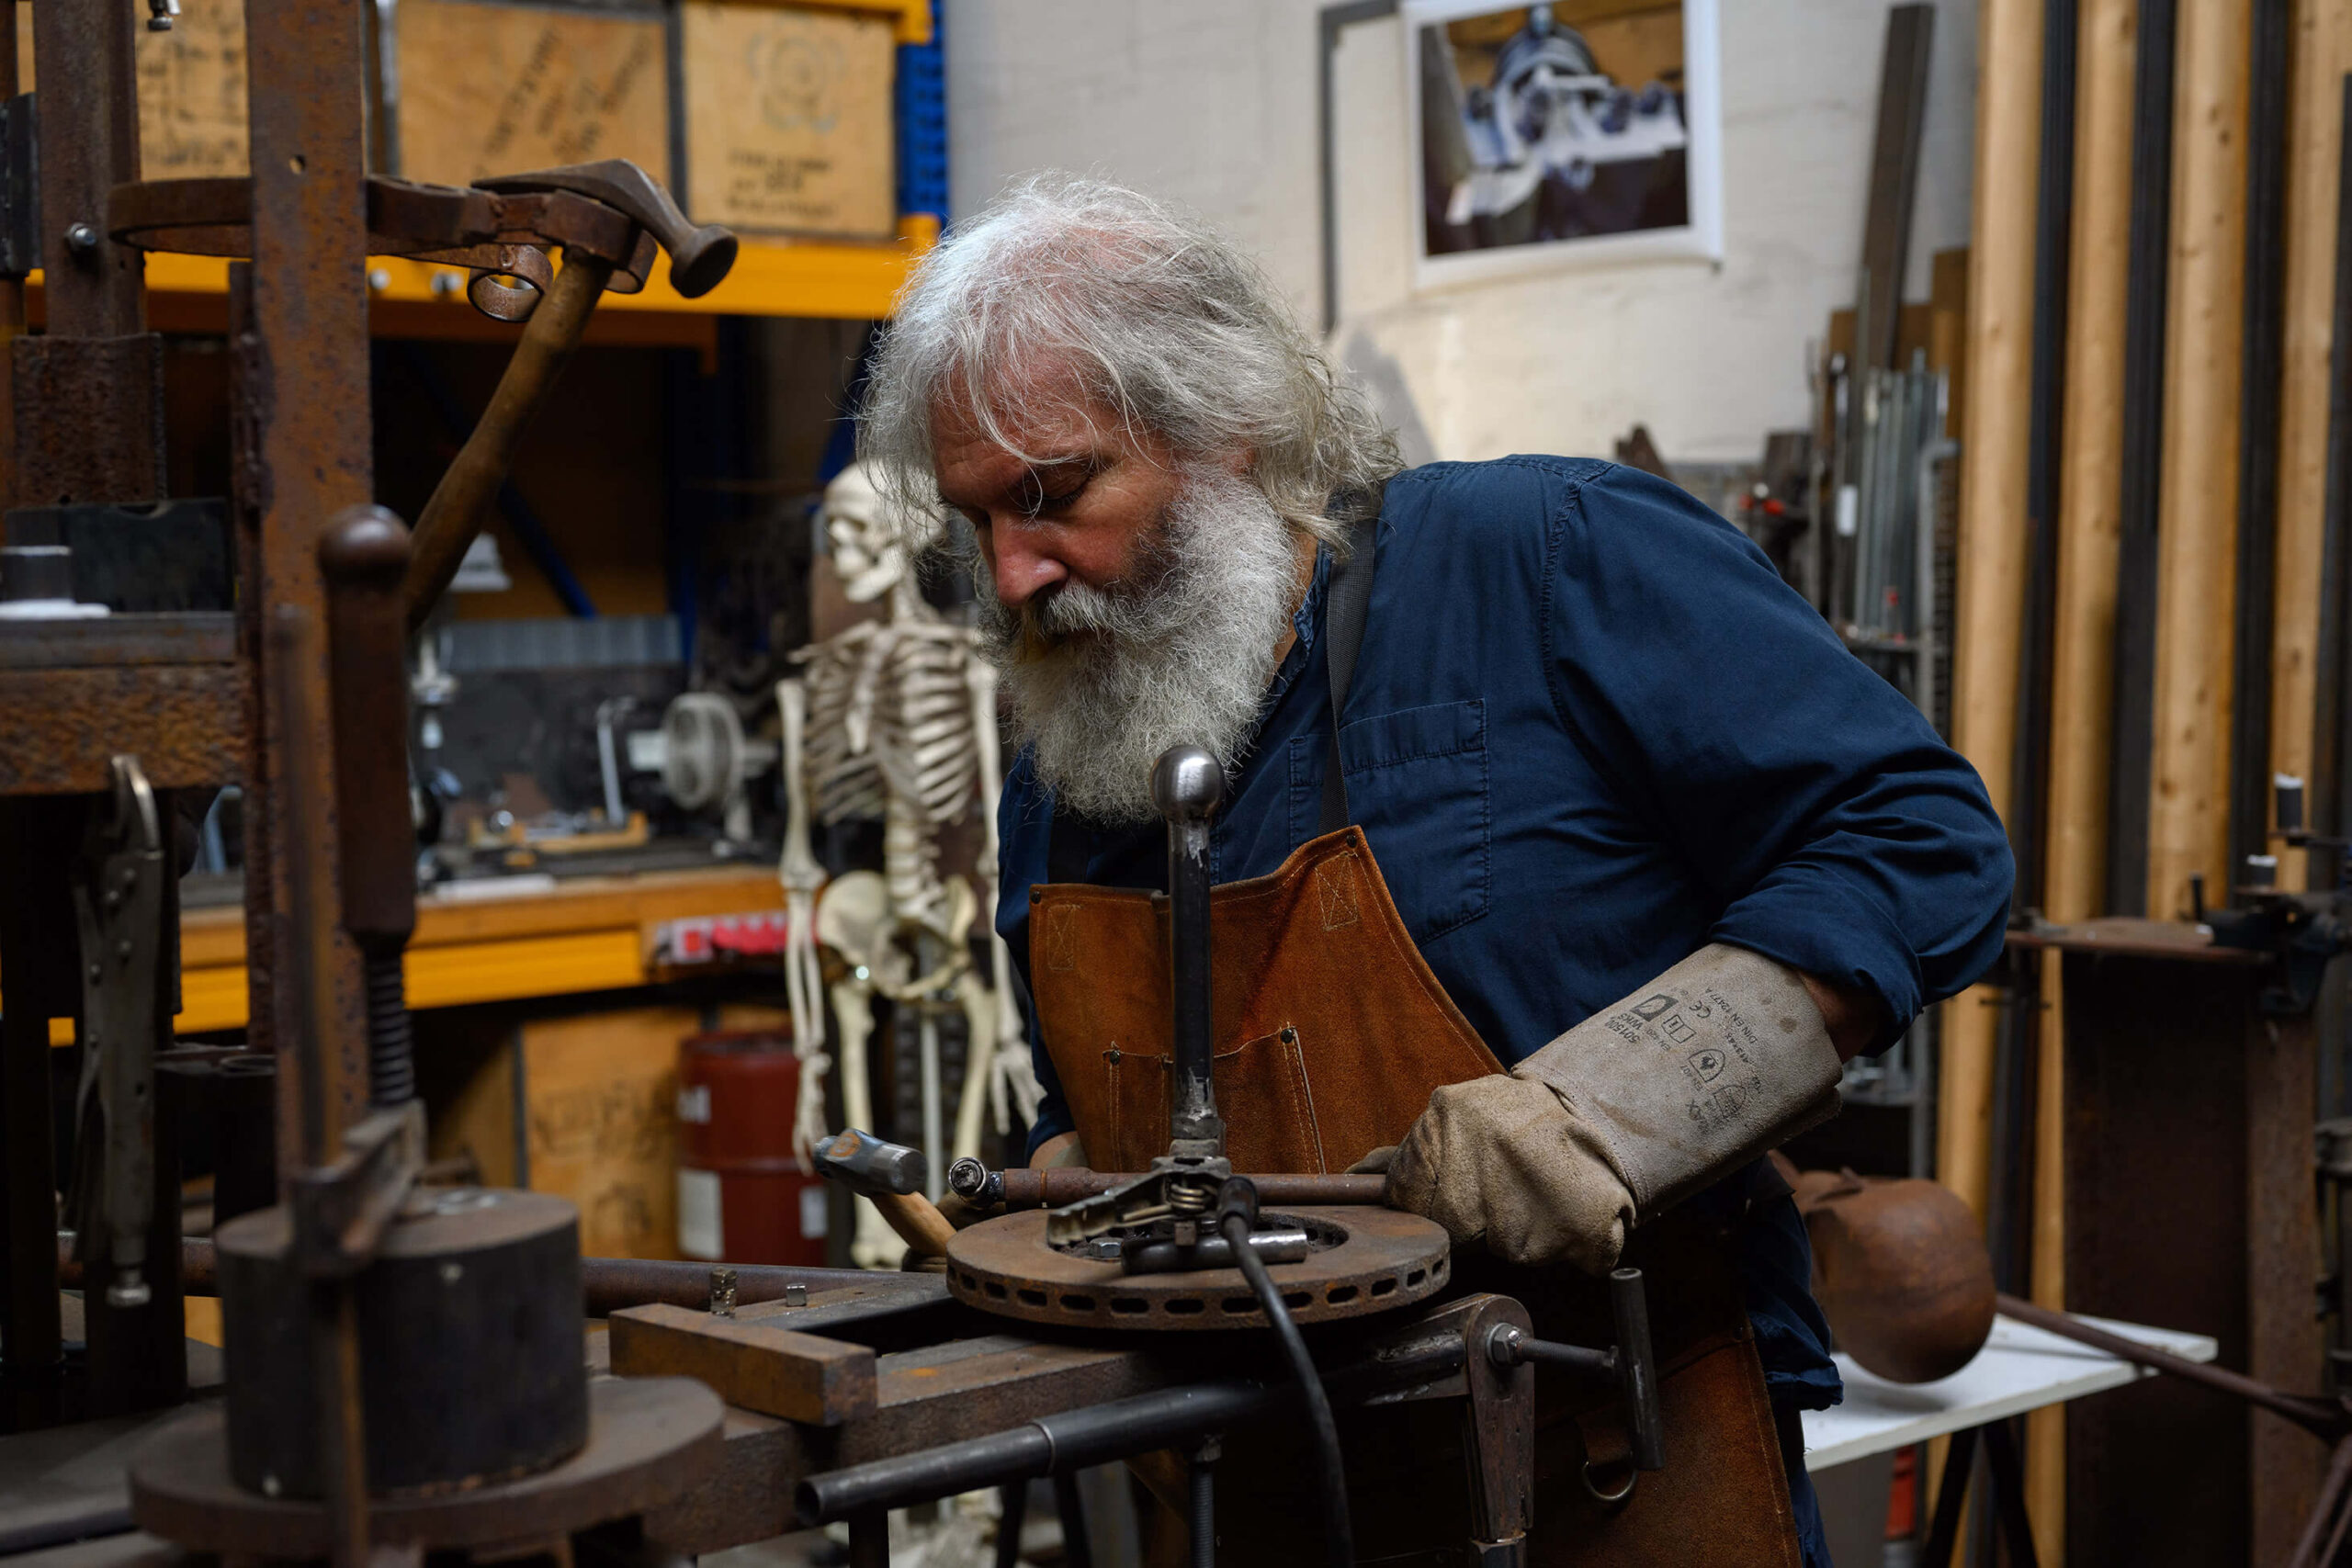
(742, 1195)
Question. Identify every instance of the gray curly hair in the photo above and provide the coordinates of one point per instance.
(1164, 321)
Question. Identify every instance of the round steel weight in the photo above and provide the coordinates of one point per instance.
(1377, 1258)
(470, 1326)
(652, 1441)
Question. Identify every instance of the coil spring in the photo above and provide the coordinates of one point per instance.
(1189, 1198)
(391, 1054)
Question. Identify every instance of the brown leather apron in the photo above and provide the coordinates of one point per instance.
(1341, 1033)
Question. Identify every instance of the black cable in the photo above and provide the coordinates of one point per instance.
(1339, 1532)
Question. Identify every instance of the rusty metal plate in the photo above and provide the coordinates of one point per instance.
(172, 636)
(651, 1441)
(460, 224)
(58, 728)
(1382, 1259)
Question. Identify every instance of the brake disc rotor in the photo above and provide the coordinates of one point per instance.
(1365, 1260)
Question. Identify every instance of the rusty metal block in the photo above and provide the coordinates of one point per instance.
(89, 420)
(58, 728)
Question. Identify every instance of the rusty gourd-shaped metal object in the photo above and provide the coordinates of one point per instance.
(1900, 1269)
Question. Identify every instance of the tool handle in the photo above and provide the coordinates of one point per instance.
(460, 502)
(917, 1220)
(362, 556)
(1637, 1369)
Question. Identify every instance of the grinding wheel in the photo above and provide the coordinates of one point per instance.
(1366, 1260)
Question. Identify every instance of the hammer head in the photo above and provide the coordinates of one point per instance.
(870, 1166)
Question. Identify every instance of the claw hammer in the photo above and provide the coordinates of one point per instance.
(699, 259)
(892, 1175)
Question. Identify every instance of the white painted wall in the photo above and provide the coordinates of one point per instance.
(1211, 102)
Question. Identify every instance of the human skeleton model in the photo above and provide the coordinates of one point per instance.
(895, 718)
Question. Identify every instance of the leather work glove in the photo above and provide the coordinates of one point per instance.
(1720, 1058)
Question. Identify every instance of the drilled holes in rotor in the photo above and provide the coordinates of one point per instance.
(1078, 1303)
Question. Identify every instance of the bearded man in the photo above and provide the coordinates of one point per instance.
(1585, 853)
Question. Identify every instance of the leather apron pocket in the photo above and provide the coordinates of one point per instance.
(1264, 1079)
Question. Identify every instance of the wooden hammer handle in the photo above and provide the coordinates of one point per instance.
(461, 501)
(917, 1220)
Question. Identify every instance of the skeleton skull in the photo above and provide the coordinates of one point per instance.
(871, 547)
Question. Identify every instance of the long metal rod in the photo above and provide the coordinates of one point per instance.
(2262, 355)
(2053, 253)
(609, 1283)
(1074, 1439)
(2146, 289)
(1027, 1189)
(2324, 1418)
(334, 1328)
(2330, 730)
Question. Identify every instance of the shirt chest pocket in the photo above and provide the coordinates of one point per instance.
(1418, 787)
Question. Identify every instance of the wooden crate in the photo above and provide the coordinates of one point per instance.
(597, 1118)
(497, 89)
(191, 92)
(788, 123)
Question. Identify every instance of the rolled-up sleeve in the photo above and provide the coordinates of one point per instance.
(1842, 837)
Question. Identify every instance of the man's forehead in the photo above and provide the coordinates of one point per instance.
(970, 457)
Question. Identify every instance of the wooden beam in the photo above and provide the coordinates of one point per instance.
(2083, 644)
(2090, 493)
(754, 1362)
(2197, 528)
(2321, 54)
(1992, 543)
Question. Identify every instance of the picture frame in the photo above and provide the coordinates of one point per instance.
(1527, 153)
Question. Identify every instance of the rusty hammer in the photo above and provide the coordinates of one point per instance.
(699, 258)
(892, 1175)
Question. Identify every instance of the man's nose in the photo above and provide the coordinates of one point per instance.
(1021, 570)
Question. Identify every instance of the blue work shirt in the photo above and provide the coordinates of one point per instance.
(1589, 732)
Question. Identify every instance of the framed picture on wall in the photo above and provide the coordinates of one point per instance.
(1578, 132)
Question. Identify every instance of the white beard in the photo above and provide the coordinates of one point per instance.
(1103, 680)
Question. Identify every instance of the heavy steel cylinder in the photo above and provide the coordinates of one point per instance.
(743, 1195)
(470, 1345)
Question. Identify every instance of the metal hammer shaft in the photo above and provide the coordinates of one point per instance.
(1186, 786)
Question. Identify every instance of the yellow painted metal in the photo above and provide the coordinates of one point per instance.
(593, 934)
(911, 19)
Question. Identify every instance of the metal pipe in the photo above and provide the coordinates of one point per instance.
(2327, 1419)
(609, 1283)
(1021, 1187)
(1636, 1368)
(1187, 785)
(1051, 1445)
(1073, 1440)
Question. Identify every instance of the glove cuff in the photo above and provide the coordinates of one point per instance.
(1699, 1072)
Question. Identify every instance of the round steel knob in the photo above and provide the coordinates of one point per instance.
(1187, 785)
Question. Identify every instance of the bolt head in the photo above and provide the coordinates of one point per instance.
(82, 237)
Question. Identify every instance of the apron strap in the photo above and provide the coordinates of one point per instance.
(1346, 598)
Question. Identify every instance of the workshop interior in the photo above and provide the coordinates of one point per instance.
(951, 782)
